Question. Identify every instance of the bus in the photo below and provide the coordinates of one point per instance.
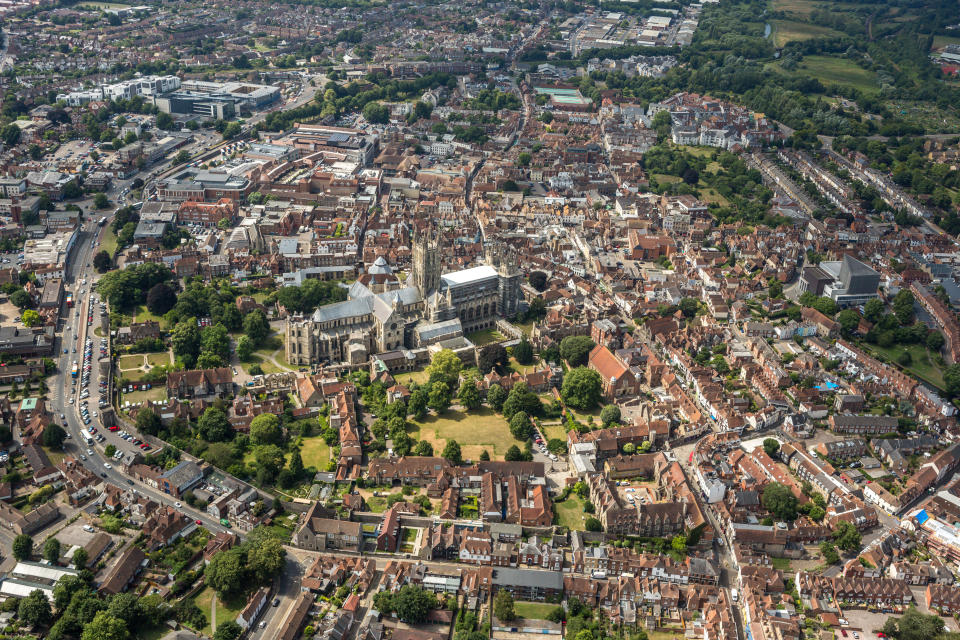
(75, 370)
(69, 300)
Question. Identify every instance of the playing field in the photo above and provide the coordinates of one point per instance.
(570, 513)
(473, 431)
(532, 610)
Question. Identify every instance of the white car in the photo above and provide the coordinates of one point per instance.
(177, 505)
(89, 452)
(106, 465)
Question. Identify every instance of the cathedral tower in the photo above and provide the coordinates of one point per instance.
(503, 258)
(426, 262)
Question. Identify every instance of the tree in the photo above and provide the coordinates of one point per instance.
(914, 625)
(35, 609)
(513, 454)
(30, 318)
(100, 201)
(413, 604)
(53, 436)
(423, 449)
(846, 536)
(265, 429)
(829, 552)
(125, 607)
(771, 446)
(296, 464)
(496, 395)
(903, 306)
(592, 524)
(485, 455)
(520, 427)
(80, 558)
(849, 319)
(148, 422)
(452, 452)
(228, 630)
(445, 367)
(523, 352)
(419, 398)
(11, 135)
(779, 501)
(266, 559)
(873, 310)
(213, 425)
(439, 397)
(245, 348)
(610, 415)
(492, 356)
(538, 280)
(22, 547)
(521, 398)
(270, 460)
(575, 349)
(679, 543)
(582, 388)
(503, 606)
(227, 572)
(469, 396)
(935, 341)
(21, 299)
(376, 113)
(105, 627)
(185, 339)
(102, 262)
(255, 325)
(688, 306)
(51, 550)
(66, 587)
(161, 298)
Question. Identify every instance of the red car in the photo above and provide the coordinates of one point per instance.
(844, 632)
(199, 521)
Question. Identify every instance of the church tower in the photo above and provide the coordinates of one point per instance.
(426, 262)
(503, 258)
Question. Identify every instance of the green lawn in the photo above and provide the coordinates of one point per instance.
(555, 431)
(158, 359)
(942, 41)
(109, 242)
(785, 31)
(409, 377)
(266, 365)
(485, 336)
(838, 71)
(473, 431)
(532, 610)
(923, 364)
(664, 178)
(225, 610)
(142, 314)
(570, 513)
(131, 361)
(783, 564)
(137, 397)
(315, 453)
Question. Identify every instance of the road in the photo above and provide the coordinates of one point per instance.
(73, 334)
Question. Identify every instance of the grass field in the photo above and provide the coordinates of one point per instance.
(315, 453)
(137, 397)
(109, 243)
(923, 366)
(942, 41)
(797, 7)
(532, 610)
(709, 194)
(555, 431)
(409, 377)
(783, 564)
(158, 359)
(520, 368)
(142, 314)
(225, 610)
(570, 513)
(473, 431)
(485, 337)
(131, 361)
(838, 71)
(664, 178)
(785, 31)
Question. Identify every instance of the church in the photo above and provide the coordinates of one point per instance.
(381, 314)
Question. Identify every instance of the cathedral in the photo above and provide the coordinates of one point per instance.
(383, 314)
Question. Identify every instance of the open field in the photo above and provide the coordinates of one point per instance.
(709, 194)
(923, 366)
(473, 431)
(315, 453)
(533, 610)
(142, 314)
(942, 41)
(137, 397)
(109, 243)
(664, 178)
(409, 377)
(570, 513)
(131, 361)
(555, 431)
(158, 359)
(225, 610)
(785, 31)
(838, 71)
(485, 337)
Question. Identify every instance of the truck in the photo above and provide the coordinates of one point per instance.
(734, 595)
(74, 370)
(69, 300)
